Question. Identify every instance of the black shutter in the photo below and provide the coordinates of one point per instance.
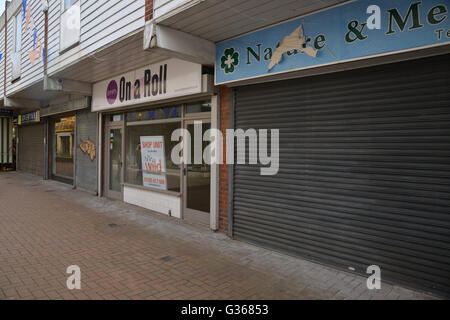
(364, 170)
(31, 149)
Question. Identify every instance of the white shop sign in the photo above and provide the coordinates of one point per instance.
(153, 162)
(165, 80)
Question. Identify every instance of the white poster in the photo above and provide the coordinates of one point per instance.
(154, 162)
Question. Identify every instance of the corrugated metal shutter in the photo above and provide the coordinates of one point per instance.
(31, 149)
(6, 146)
(86, 169)
(364, 170)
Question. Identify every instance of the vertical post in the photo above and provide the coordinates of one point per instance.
(123, 156)
(5, 54)
(100, 154)
(2, 138)
(215, 124)
(46, 150)
(45, 40)
(75, 139)
(231, 169)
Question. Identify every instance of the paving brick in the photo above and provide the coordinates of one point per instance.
(42, 233)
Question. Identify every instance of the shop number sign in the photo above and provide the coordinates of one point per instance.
(154, 162)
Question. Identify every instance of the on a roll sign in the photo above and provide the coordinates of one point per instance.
(165, 80)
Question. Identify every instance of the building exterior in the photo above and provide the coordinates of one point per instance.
(358, 91)
(6, 139)
(156, 101)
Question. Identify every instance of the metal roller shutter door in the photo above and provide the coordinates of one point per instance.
(364, 170)
(31, 149)
(6, 145)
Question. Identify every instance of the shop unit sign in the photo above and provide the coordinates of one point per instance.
(359, 29)
(154, 162)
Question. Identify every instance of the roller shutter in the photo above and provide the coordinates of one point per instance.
(6, 145)
(31, 149)
(364, 173)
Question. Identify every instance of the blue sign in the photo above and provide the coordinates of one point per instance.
(359, 29)
(6, 113)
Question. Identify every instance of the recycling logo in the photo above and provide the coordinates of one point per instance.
(230, 60)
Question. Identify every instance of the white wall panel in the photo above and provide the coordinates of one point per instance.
(155, 201)
(102, 24)
(168, 7)
(30, 73)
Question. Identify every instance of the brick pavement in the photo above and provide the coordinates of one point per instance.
(126, 252)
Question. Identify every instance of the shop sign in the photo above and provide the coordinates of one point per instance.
(154, 162)
(352, 31)
(32, 117)
(169, 79)
(6, 113)
(65, 125)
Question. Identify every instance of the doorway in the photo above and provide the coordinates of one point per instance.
(63, 149)
(114, 150)
(197, 174)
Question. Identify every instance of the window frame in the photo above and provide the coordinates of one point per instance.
(18, 18)
(130, 124)
(63, 5)
(184, 117)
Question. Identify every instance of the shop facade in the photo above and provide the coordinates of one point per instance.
(139, 112)
(31, 139)
(7, 144)
(71, 150)
(363, 120)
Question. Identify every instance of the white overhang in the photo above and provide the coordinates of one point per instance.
(218, 20)
(177, 44)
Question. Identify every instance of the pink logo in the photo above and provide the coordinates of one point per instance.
(111, 92)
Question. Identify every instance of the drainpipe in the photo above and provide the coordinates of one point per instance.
(45, 9)
(6, 47)
(47, 122)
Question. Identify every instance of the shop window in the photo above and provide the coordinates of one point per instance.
(15, 57)
(68, 3)
(155, 114)
(198, 107)
(116, 118)
(152, 123)
(18, 36)
(70, 24)
(63, 148)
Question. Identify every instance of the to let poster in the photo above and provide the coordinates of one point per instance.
(154, 162)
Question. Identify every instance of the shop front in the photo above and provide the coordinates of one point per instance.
(7, 147)
(30, 143)
(71, 152)
(62, 145)
(363, 120)
(141, 113)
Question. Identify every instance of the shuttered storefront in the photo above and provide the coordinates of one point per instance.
(31, 149)
(6, 145)
(364, 173)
